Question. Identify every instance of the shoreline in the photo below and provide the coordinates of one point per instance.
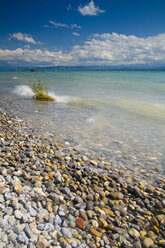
(52, 195)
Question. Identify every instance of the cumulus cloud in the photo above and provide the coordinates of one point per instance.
(35, 56)
(90, 9)
(99, 49)
(76, 34)
(24, 37)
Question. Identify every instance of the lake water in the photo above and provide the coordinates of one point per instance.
(120, 114)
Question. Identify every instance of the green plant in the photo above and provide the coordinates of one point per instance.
(40, 91)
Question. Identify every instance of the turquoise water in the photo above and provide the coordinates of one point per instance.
(116, 112)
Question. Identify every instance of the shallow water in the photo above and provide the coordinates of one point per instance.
(120, 114)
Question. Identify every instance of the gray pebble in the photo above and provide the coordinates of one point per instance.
(18, 214)
(22, 238)
(48, 227)
(66, 232)
(1, 199)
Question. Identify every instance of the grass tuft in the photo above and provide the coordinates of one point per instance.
(40, 91)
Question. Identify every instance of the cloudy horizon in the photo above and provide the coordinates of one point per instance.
(85, 40)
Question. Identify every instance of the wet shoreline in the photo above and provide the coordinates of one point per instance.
(53, 195)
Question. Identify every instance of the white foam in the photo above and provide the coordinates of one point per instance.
(60, 99)
(15, 78)
(90, 119)
(23, 90)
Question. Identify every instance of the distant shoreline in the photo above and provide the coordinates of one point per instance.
(80, 68)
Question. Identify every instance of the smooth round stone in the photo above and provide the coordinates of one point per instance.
(57, 220)
(74, 244)
(1, 199)
(41, 226)
(66, 232)
(103, 223)
(2, 207)
(90, 197)
(12, 237)
(9, 211)
(61, 213)
(42, 243)
(32, 211)
(71, 218)
(48, 227)
(80, 223)
(67, 191)
(94, 223)
(89, 205)
(134, 233)
(72, 224)
(18, 214)
(4, 238)
(147, 242)
(8, 196)
(78, 199)
(63, 208)
(83, 214)
(90, 214)
(22, 238)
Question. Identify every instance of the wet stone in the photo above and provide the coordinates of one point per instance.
(147, 242)
(81, 223)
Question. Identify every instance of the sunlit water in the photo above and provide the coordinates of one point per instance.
(120, 114)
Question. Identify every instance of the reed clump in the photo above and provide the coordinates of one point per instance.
(40, 91)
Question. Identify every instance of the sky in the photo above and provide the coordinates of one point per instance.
(82, 32)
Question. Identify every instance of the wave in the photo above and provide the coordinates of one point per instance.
(25, 90)
(15, 78)
(147, 109)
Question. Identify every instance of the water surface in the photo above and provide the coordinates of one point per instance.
(118, 113)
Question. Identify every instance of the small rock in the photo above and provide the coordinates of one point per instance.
(57, 220)
(22, 238)
(81, 223)
(96, 233)
(134, 233)
(66, 232)
(147, 242)
(78, 199)
(42, 243)
(18, 214)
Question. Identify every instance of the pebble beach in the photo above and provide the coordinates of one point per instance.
(53, 195)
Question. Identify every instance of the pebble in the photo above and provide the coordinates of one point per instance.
(134, 233)
(58, 197)
(81, 223)
(42, 243)
(18, 214)
(147, 242)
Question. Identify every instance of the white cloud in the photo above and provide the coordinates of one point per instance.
(90, 9)
(76, 34)
(24, 37)
(69, 7)
(35, 56)
(58, 24)
(62, 25)
(27, 47)
(75, 26)
(99, 49)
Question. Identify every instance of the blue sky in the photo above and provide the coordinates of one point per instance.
(80, 32)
